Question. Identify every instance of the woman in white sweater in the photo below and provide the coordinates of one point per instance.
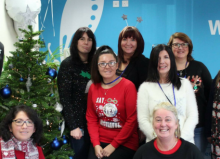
(163, 84)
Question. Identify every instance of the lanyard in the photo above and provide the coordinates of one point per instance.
(166, 95)
(115, 79)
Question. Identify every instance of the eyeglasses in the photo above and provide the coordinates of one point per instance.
(21, 122)
(177, 45)
(110, 64)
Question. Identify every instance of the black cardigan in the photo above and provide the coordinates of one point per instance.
(136, 70)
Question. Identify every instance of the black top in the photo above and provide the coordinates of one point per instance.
(72, 83)
(136, 70)
(198, 68)
(187, 150)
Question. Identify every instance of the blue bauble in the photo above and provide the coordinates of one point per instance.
(55, 144)
(65, 140)
(5, 92)
(21, 79)
(71, 157)
(52, 72)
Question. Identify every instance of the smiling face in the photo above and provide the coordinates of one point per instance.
(164, 124)
(84, 44)
(180, 52)
(107, 72)
(129, 45)
(22, 133)
(163, 66)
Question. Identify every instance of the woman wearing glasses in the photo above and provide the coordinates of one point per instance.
(163, 84)
(200, 78)
(20, 133)
(111, 110)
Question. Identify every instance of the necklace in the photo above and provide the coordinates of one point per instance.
(181, 71)
(105, 91)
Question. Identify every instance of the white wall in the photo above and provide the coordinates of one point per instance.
(8, 36)
(7, 32)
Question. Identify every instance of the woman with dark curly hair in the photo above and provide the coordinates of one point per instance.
(20, 132)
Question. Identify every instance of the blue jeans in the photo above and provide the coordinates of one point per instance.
(200, 140)
(81, 146)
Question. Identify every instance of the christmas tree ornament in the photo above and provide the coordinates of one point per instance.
(49, 80)
(21, 79)
(47, 122)
(34, 105)
(51, 95)
(28, 83)
(58, 107)
(21, 91)
(37, 47)
(5, 92)
(51, 72)
(71, 157)
(10, 66)
(55, 144)
(65, 140)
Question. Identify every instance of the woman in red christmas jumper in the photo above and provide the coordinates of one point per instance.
(20, 132)
(111, 110)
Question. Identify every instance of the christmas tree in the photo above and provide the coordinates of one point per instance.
(28, 79)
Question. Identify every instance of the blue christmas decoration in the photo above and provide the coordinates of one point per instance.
(51, 95)
(21, 79)
(65, 140)
(52, 72)
(55, 144)
(71, 157)
(5, 92)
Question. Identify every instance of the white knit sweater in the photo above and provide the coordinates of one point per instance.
(150, 94)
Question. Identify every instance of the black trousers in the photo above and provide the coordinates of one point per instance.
(121, 152)
(81, 146)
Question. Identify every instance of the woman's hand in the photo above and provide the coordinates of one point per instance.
(196, 82)
(76, 133)
(108, 150)
(98, 151)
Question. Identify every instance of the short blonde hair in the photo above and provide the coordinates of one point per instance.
(169, 107)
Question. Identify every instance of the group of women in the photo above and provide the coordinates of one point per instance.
(162, 100)
(128, 87)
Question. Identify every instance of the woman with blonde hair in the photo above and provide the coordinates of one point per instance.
(168, 143)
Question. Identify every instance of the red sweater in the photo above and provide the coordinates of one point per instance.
(111, 115)
(21, 155)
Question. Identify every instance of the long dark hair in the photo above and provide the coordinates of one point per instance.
(128, 32)
(5, 133)
(73, 47)
(153, 75)
(95, 75)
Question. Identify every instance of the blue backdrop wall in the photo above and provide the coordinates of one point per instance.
(199, 19)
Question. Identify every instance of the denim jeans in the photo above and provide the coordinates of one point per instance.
(200, 140)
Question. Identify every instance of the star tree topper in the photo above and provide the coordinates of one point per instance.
(29, 16)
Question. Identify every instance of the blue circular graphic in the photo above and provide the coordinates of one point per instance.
(89, 25)
(94, 7)
(92, 17)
